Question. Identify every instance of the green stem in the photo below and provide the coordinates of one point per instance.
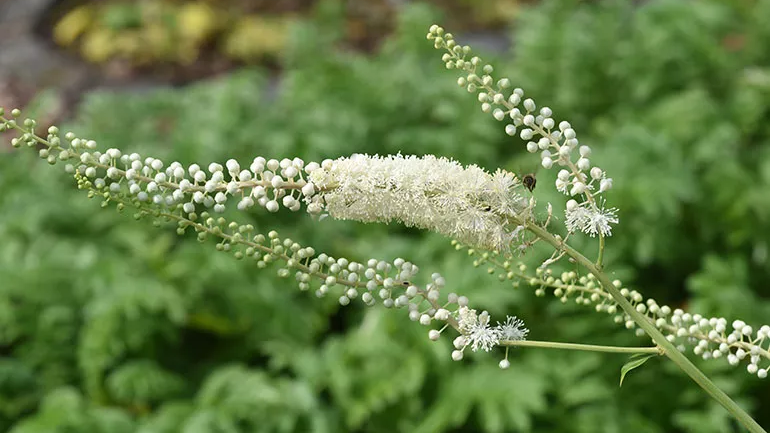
(583, 347)
(668, 348)
(601, 251)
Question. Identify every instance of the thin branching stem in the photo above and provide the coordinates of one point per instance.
(641, 320)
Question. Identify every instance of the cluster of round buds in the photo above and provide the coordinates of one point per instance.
(269, 183)
(557, 144)
(714, 338)
(709, 337)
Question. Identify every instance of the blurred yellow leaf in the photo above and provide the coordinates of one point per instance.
(157, 40)
(128, 45)
(197, 21)
(494, 11)
(255, 37)
(72, 25)
(98, 45)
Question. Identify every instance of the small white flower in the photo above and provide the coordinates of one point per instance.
(467, 319)
(512, 330)
(605, 184)
(483, 337)
(599, 221)
(590, 219)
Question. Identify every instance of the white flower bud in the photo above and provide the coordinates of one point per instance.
(532, 147)
(288, 201)
(308, 190)
(504, 364)
(460, 342)
(547, 163)
(578, 188)
(563, 175)
(605, 184)
(441, 314)
(311, 167)
(434, 335)
(529, 120)
(548, 123)
(572, 205)
(583, 164)
(529, 104)
(596, 173)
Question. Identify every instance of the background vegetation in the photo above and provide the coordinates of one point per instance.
(110, 325)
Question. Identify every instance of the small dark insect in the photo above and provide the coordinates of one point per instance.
(529, 181)
(406, 283)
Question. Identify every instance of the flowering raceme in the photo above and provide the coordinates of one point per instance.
(486, 212)
(438, 194)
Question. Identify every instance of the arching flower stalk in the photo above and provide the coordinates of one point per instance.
(485, 211)
(707, 337)
(428, 192)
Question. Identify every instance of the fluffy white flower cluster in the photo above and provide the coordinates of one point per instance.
(556, 143)
(478, 334)
(437, 194)
(589, 219)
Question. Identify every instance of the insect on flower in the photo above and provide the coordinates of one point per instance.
(529, 181)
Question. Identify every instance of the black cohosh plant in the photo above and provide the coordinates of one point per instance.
(495, 216)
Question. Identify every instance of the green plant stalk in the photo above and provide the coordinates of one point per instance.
(599, 260)
(582, 347)
(668, 348)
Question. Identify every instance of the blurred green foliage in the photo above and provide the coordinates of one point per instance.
(110, 325)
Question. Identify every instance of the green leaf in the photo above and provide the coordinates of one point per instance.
(634, 362)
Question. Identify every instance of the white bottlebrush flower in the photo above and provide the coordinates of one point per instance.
(439, 194)
(576, 218)
(599, 221)
(591, 219)
(482, 336)
(512, 330)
